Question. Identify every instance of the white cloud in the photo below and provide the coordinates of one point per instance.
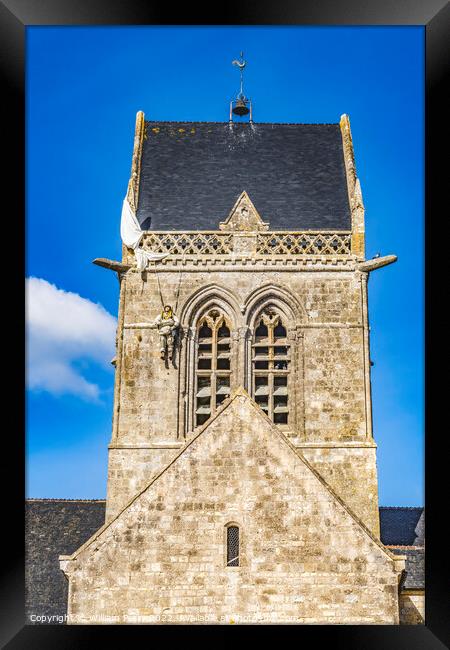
(64, 329)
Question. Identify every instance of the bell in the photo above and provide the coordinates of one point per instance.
(240, 107)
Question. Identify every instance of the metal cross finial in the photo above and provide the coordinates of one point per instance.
(241, 65)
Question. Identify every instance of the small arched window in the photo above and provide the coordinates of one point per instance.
(213, 365)
(271, 360)
(232, 545)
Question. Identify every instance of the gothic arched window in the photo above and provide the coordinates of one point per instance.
(213, 365)
(270, 361)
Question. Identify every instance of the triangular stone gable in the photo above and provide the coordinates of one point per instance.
(240, 411)
(298, 540)
(244, 217)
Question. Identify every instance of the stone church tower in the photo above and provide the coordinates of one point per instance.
(242, 479)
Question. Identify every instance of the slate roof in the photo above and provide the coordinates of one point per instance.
(420, 530)
(192, 173)
(60, 526)
(414, 566)
(398, 525)
(54, 527)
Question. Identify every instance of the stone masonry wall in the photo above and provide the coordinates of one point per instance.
(303, 557)
(332, 323)
(334, 385)
(352, 473)
(412, 608)
(329, 386)
(130, 470)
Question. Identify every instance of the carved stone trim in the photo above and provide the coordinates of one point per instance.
(209, 296)
(269, 318)
(133, 185)
(244, 244)
(281, 247)
(306, 243)
(244, 216)
(279, 297)
(354, 189)
(215, 319)
(377, 263)
(349, 157)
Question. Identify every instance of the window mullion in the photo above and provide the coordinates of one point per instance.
(214, 370)
(270, 374)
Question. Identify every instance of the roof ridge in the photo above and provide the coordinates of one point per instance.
(226, 123)
(401, 507)
(56, 499)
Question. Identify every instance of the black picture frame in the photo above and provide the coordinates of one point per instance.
(15, 16)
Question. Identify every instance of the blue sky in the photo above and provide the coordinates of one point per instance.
(84, 87)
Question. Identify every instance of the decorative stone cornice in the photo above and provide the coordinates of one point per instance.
(238, 264)
(269, 245)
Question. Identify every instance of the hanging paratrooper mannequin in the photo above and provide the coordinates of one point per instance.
(168, 325)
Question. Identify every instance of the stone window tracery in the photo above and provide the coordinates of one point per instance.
(271, 366)
(213, 371)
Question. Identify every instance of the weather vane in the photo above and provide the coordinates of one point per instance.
(240, 103)
(241, 65)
